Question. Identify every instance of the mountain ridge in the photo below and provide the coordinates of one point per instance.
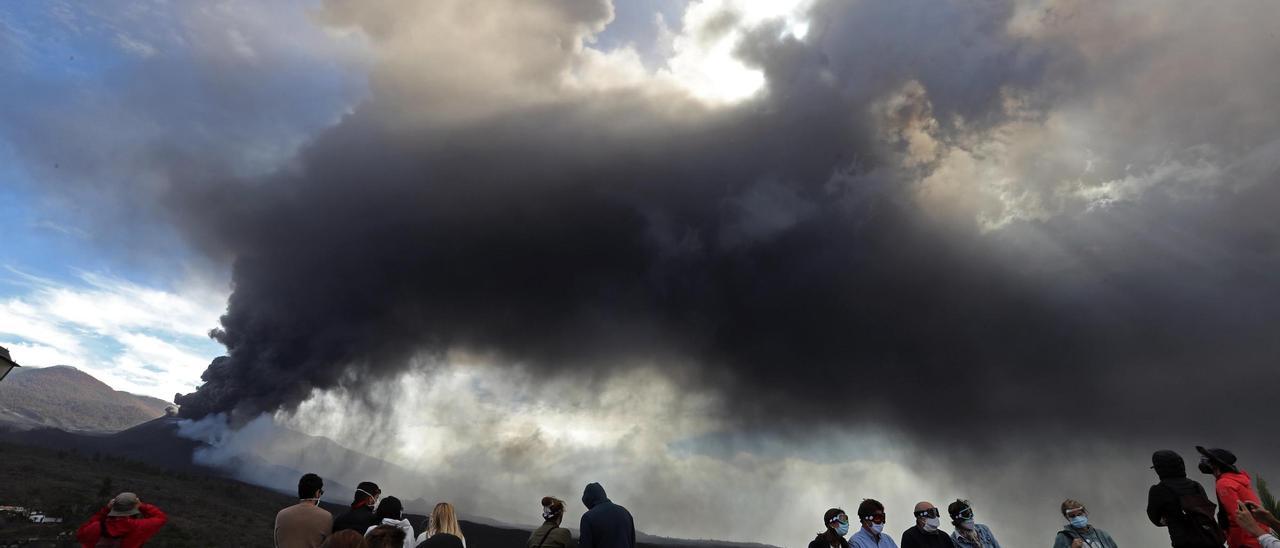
(69, 399)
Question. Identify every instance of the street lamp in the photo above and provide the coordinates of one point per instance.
(6, 363)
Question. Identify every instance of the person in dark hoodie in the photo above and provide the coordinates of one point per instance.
(361, 515)
(1233, 486)
(605, 524)
(1181, 504)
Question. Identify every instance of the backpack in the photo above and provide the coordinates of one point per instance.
(105, 540)
(1201, 518)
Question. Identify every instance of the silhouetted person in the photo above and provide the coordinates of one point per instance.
(969, 533)
(443, 522)
(926, 532)
(1181, 504)
(305, 524)
(550, 534)
(1079, 533)
(391, 512)
(871, 515)
(361, 516)
(1232, 486)
(837, 528)
(125, 519)
(605, 524)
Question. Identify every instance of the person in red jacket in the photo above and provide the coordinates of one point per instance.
(125, 521)
(1233, 487)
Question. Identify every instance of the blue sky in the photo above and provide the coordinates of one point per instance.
(91, 276)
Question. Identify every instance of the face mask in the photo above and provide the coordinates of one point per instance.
(968, 524)
(877, 527)
(1079, 522)
(842, 529)
(931, 524)
(1204, 466)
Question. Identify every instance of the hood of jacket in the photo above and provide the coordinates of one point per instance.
(1236, 479)
(1168, 464)
(594, 495)
(119, 527)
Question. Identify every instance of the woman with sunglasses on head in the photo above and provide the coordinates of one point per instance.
(1078, 533)
(871, 535)
(837, 523)
(925, 533)
(969, 533)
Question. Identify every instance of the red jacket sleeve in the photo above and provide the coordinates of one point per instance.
(88, 533)
(150, 523)
(1230, 498)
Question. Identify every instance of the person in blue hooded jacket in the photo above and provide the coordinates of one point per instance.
(605, 524)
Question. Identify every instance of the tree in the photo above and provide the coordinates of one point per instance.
(1268, 500)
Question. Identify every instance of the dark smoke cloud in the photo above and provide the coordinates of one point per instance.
(777, 250)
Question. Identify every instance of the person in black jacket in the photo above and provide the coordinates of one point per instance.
(1164, 504)
(837, 523)
(926, 534)
(605, 524)
(360, 517)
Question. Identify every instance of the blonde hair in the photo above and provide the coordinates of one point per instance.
(443, 520)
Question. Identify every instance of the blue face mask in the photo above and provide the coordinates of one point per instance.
(842, 529)
(1079, 522)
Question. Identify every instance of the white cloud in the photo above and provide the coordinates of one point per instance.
(132, 337)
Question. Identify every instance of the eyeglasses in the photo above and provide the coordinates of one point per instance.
(877, 517)
(930, 513)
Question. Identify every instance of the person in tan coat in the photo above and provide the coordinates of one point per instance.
(306, 524)
(551, 534)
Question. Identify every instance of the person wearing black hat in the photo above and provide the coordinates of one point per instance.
(361, 515)
(1233, 487)
(1180, 503)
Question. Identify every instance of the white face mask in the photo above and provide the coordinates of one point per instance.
(931, 524)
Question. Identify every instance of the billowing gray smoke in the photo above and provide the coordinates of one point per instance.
(794, 252)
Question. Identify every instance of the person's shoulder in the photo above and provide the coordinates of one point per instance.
(817, 543)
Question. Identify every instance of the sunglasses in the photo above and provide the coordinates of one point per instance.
(843, 519)
(874, 518)
(930, 513)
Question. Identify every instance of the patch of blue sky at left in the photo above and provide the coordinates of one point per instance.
(104, 107)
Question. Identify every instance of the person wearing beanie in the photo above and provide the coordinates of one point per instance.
(125, 519)
(1181, 505)
(968, 532)
(836, 522)
(361, 515)
(391, 512)
(551, 534)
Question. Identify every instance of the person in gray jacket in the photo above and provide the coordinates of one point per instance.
(1079, 533)
(969, 533)
(551, 534)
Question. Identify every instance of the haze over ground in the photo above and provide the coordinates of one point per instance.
(738, 261)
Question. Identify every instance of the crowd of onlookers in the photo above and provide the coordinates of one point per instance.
(1177, 503)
